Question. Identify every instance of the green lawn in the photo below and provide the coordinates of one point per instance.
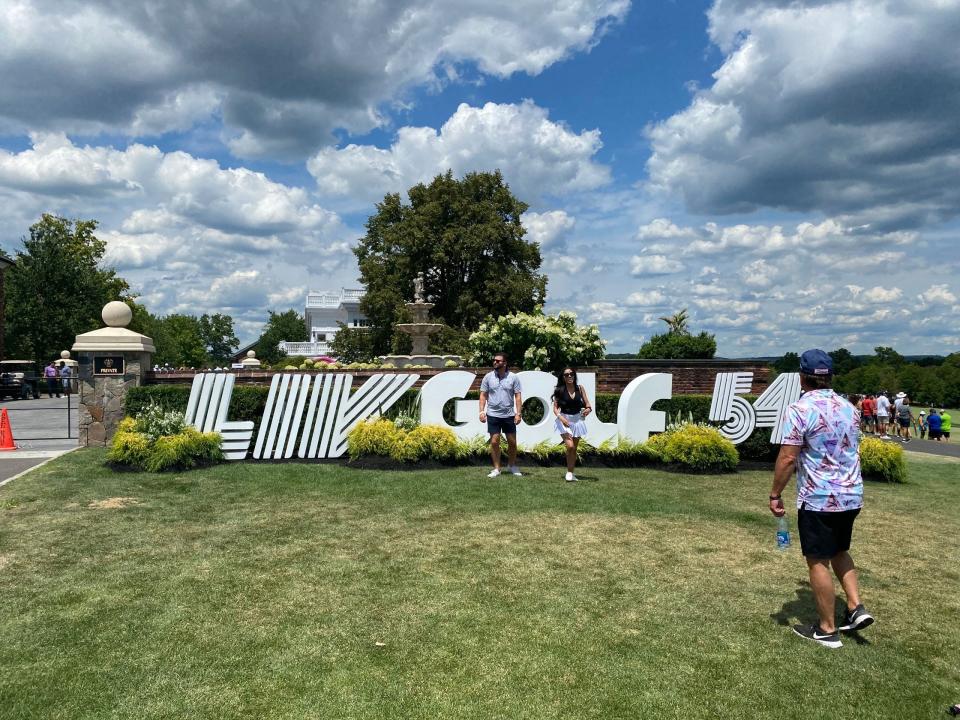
(319, 591)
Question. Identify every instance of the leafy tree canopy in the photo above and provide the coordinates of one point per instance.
(888, 356)
(289, 325)
(58, 288)
(184, 340)
(677, 343)
(465, 236)
(352, 344)
(789, 363)
(219, 339)
(679, 346)
(843, 361)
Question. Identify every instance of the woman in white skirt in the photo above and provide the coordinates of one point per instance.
(570, 406)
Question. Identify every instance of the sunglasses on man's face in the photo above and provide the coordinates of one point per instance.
(497, 360)
(568, 374)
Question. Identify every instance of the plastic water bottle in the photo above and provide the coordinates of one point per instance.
(783, 534)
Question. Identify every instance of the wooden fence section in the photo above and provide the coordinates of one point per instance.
(690, 377)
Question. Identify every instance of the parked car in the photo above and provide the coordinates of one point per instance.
(19, 380)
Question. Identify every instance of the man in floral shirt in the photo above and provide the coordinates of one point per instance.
(821, 441)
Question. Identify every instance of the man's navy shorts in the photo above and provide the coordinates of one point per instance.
(825, 534)
(498, 425)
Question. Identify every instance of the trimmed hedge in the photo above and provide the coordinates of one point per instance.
(880, 460)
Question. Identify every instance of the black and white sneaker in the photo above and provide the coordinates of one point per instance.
(813, 632)
(857, 619)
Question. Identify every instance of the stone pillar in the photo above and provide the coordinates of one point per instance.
(111, 361)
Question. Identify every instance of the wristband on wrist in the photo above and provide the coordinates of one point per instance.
(776, 497)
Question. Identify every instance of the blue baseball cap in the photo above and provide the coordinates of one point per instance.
(816, 362)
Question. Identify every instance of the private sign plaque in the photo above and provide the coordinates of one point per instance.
(108, 365)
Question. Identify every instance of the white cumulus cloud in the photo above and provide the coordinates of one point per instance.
(536, 155)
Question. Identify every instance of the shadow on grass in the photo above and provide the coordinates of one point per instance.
(804, 607)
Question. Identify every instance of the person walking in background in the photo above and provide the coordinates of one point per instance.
(883, 415)
(933, 424)
(500, 406)
(570, 406)
(821, 443)
(904, 419)
(65, 375)
(868, 414)
(945, 422)
(52, 378)
(922, 425)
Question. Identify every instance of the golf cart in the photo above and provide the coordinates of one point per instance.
(18, 380)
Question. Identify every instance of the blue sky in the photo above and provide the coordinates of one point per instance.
(786, 170)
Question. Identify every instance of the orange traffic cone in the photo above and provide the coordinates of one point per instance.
(6, 432)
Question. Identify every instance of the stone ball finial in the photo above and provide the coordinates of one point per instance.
(251, 353)
(64, 354)
(117, 314)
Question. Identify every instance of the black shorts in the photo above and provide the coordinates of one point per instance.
(935, 434)
(825, 534)
(498, 425)
(869, 419)
(904, 422)
(945, 433)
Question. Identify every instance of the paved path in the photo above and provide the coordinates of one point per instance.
(40, 430)
(931, 447)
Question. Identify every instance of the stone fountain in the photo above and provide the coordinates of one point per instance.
(420, 331)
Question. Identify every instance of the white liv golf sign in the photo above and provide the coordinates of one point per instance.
(310, 416)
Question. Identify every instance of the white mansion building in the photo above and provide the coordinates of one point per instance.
(322, 313)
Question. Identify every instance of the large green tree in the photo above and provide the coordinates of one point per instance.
(351, 344)
(57, 288)
(289, 326)
(185, 340)
(465, 236)
(677, 342)
(218, 337)
(183, 344)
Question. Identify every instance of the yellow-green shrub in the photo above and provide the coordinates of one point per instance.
(373, 438)
(696, 447)
(626, 450)
(425, 442)
(881, 460)
(185, 449)
(383, 437)
(476, 447)
(128, 446)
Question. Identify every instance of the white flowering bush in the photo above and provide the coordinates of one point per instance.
(537, 341)
(155, 421)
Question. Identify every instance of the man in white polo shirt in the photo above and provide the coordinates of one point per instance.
(500, 404)
(883, 415)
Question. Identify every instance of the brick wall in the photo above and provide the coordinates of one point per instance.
(689, 376)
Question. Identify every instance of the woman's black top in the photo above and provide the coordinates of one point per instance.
(569, 405)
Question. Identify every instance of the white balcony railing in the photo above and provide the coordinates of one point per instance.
(333, 299)
(305, 349)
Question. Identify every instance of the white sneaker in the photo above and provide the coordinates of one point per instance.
(570, 477)
(514, 470)
(494, 473)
